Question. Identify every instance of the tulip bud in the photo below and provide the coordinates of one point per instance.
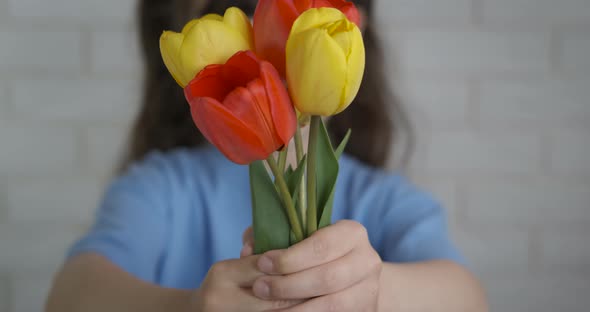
(212, 39)
(325, 62)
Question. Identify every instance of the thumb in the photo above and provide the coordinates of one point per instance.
(248, 243)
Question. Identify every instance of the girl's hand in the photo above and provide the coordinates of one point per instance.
(337, 267)
(227, 287)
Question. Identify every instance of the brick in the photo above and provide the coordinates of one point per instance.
(76, 100)
(441, 104)
(488, 251)
(565, 251)
(106, 147)
(4, 105)
(42, 200)
(454, 152)
(543, 103)
(80, 10)
(570, 152)
(576, 48)
(40, 50)
(425, 11)
(536, 11)
(34, 246)
(4, 293)
(30, 292)
(115, 52)
(471, 52)
(525, 203)
(38, 150)
(539, 293)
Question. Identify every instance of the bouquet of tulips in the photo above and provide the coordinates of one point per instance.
(252, 87)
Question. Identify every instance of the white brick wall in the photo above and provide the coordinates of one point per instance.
(75, 99)
(114, 52)
(430, 11)
(472, 52)
(30, 292)
(473, 153)
(24, 199)
(73, 9)
(570, 152)
(23, 50)
(550, 103)
(498, 89)
(536, 11)
(31, 150)
(576, 48)
(4, 293)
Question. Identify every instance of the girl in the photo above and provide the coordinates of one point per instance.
(167, 234)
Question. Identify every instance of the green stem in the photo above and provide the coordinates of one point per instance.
(287, 200)
(283, 158)
(301, 202)
(312, 218)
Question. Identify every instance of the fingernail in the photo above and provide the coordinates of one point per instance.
(265, 264)
(261, 289)
(246, 250)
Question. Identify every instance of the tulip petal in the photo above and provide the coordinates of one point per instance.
(272, 23)
(229, 134)
(241, 68)
(190, 25)
(209, 83)
(210, 42)
(212, 16)
(316, 72)
(170, 43)
(349, 9)
(355, 66)
(239, 21)
(283, 116)
(250, 105)
(316, 18)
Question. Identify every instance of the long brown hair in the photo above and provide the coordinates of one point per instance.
(164, 122)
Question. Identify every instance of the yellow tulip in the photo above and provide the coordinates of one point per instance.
(325, 62)
(211, 39)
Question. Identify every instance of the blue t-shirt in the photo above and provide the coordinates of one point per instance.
(171, 216)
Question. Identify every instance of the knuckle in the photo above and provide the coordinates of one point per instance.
(282, 262)
(356, 229)
(218, 269)
(330, 278)
(277, 290)
(375, 262)
(360, 230)
(320, 247)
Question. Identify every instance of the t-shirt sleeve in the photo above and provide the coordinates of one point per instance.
(130, 226)
(415, 228)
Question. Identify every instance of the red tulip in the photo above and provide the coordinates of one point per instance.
(273, 20)
(242, 107)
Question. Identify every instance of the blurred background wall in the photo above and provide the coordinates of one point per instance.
(499, 91)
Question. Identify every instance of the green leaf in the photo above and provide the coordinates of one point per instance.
(293, 179)
(270, 224)
(325, 218)
(342, 145)
(326, 175)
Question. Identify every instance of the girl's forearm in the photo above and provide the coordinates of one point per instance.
(91, 283)
(430, 286)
